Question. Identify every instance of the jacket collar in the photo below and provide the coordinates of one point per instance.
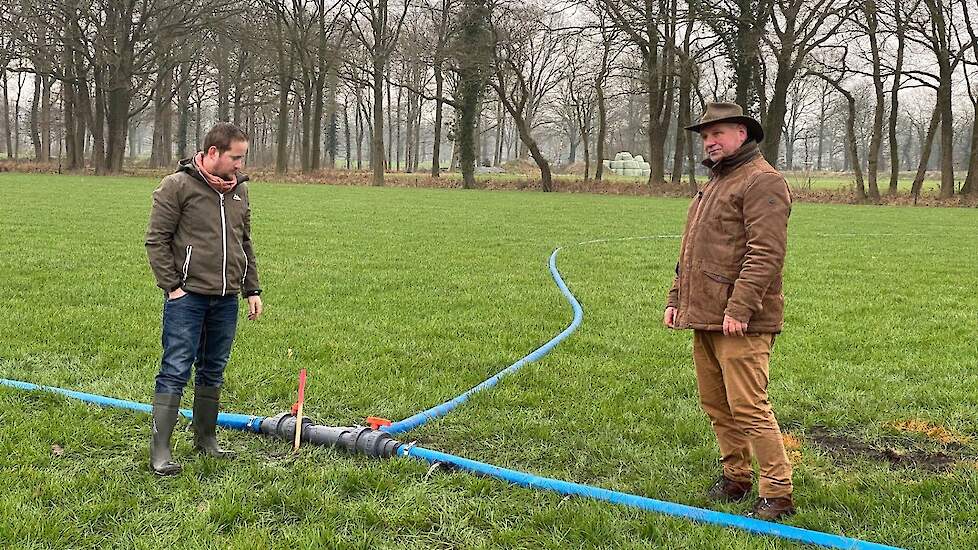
(187, 165)
(746, 153)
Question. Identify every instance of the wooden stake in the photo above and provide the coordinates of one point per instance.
(298, 414)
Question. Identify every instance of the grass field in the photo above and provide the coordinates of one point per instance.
(398, 299)
(798, 180)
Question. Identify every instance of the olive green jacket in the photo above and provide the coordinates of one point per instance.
(199, 239)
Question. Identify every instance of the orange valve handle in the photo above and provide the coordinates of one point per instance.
(375, 422)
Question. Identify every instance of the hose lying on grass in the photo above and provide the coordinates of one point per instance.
(443, 409)
(438, 411)
(379, 444)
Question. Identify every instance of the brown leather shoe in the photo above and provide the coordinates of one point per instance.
(728, 490)
(772, 508)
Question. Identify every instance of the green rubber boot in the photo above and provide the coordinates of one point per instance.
(204, 424)
(166, 408)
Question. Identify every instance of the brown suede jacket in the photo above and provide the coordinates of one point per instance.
(733, 247)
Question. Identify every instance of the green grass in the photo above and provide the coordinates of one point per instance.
(398, 299)
(797, 180)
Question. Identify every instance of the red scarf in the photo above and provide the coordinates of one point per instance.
(217, 183)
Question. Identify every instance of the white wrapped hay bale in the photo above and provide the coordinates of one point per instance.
(638, 158)
(623, 155)
(616, 164)
(631, 165)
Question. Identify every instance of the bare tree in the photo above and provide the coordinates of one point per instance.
(739, 26)
(936, 30)
(378, 32)
(871, 26)
(651, 27)
(900, 31)
(800, 26)
(836, 79)
(580, 94)
(523, 46)
(971, 181)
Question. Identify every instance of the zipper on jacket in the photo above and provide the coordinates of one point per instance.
(224, 249)
(186, 262)
(245, 272)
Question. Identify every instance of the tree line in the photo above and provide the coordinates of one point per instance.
(870, 87)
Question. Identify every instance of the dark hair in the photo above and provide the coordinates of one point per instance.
(221, 136)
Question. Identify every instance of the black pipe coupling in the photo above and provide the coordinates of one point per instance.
(355, 439)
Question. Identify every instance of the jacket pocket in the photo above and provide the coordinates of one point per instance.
(709, 293)
(186, 262)
(723, 279)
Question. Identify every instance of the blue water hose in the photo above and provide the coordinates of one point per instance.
(235, 421)
(752, 525)
(438, 411)
(251, 423)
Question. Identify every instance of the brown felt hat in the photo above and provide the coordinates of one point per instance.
(729, 112)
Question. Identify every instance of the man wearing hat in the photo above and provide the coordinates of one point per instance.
(728, 290)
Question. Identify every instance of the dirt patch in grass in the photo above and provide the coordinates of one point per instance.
(897, 452)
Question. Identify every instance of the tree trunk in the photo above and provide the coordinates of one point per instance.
(359, 123)
(7, 130)
(377, 131)
(823, 114)
(224, 80)
(46, 82)
(72, 118)
(98, 122)
(853, 148)
(522, 126)
(332, 122)
(777, 109)
(36, 118)
(282, 133)
(895, 100)
(117, 125)
(546, 178)
(660, 92)
(408, 131)
(691, 164)
(160, 155)
(436, 144)
(876, 132)
(585, 138)
(394, 142)
(947, 132)
(925, 150)
(969, 186)
(419, 110)
(682, 119)
(243, 56)
(183, 105)
(316, 131)
(602, 129)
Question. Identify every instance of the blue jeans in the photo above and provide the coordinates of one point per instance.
(197, 331)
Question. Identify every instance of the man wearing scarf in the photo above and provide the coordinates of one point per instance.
(728, 290)
(200, 250)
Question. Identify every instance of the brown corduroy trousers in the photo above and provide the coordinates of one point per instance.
(732, 376)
